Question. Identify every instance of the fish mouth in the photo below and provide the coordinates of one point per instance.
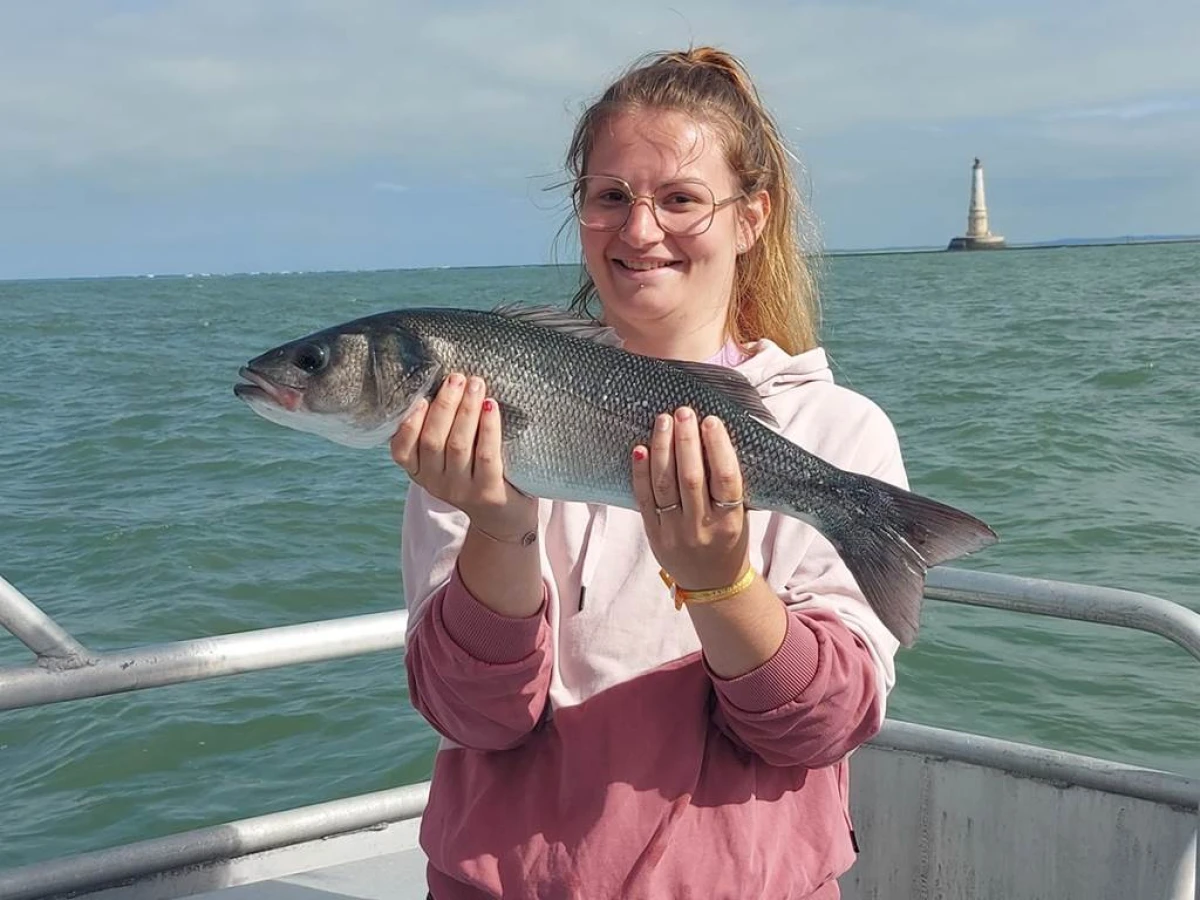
(257, 387)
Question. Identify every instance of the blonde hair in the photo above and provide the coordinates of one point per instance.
(775, 291)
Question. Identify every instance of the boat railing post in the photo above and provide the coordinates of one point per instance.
(36, 630)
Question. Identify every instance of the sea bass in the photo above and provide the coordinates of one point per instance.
(573, 405)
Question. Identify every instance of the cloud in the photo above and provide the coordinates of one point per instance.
(149, 135)
(1126, 112)
(139, 93)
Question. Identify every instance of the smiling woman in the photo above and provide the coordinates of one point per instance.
(703, 126)
(665, 258)
(605, 742)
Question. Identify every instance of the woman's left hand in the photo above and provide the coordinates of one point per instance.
(680, 480)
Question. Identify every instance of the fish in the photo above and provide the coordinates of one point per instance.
(574, 403)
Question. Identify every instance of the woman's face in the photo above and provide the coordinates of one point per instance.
(667, 294)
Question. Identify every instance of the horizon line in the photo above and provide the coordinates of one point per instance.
(1057, 243)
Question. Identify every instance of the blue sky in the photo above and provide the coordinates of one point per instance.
(264, 135)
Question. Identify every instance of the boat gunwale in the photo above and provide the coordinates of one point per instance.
(127, 863)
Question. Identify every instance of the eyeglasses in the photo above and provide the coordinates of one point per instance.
(604, 203)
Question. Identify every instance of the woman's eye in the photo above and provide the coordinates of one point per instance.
(680, 199)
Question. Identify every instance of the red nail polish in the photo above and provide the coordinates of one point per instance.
(639, 453)
(489, 405)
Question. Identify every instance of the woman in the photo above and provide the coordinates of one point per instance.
(596, 741)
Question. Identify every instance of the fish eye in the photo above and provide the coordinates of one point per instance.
(312, 358)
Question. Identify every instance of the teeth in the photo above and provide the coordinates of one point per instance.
(641, 266)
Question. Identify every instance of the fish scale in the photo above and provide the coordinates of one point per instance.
(574, 405)
(599, 408)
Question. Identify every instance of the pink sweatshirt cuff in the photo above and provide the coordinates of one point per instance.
(781, 679)
(484, 634)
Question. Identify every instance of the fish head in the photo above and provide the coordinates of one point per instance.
(351, 384)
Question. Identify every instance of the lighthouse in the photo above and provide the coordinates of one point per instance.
(978, 236)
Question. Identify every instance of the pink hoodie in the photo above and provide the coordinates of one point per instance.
(589, 752)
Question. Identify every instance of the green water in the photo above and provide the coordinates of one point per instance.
(1053, 393)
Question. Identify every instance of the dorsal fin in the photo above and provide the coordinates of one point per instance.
(730, 384)
(561, 320)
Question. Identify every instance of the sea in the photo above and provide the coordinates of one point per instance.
(1054, 393)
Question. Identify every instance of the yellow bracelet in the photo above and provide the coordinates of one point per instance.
(712, 595)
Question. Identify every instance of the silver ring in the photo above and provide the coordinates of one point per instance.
(729, 504)
(659, 510)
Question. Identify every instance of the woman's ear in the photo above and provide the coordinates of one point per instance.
(753, 219)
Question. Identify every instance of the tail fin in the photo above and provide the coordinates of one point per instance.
(889, 550)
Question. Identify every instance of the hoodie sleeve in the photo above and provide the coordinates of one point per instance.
(824, 692)
(479, 678)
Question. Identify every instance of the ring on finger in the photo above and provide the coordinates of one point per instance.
(729, 504)
(659, 510)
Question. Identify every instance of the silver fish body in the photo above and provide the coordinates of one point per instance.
(574, 404)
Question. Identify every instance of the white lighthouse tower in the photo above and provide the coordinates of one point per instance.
(978, 236)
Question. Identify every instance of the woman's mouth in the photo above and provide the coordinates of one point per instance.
(645, 265)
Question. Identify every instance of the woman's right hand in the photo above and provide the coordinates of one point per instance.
(452, 448)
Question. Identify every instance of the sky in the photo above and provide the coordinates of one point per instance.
(304, 135)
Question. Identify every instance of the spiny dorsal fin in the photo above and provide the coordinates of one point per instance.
(561, 320)
(731, 384)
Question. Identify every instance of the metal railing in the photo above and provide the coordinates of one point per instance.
(65, 669)
(1067, 600)
(123, 865)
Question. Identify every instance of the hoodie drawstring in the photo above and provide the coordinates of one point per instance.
(592, 549)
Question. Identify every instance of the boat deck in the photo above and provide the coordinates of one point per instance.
(392, 876)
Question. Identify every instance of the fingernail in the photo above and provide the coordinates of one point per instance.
(683, 413)
(489, 405)
(455, 380)
(662, 423)
(639, 453)
(474, 385)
